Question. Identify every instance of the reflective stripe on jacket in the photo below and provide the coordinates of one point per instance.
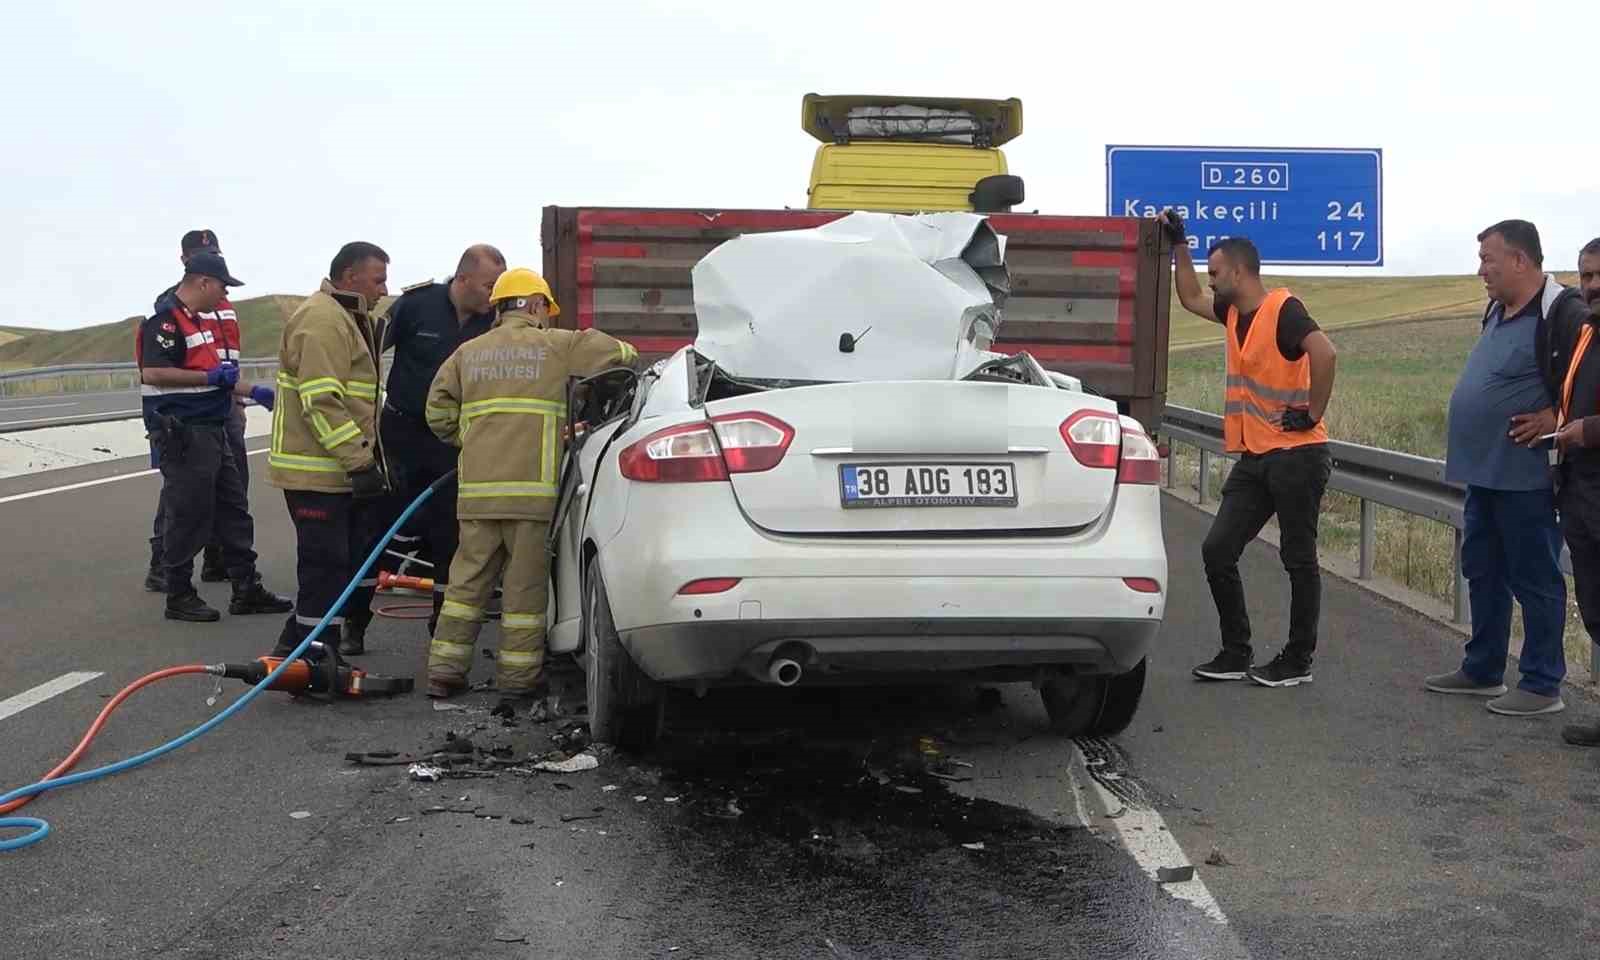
(324, 424)
(1262, 385)
(501, 398)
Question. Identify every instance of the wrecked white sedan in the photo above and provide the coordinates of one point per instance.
(838, 482)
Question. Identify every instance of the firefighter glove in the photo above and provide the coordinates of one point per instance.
(1297, 419)
(263, 395)
(368, 482)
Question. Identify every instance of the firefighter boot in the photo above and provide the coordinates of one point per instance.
(249, 596)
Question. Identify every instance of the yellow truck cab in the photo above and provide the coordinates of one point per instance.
(911, 154)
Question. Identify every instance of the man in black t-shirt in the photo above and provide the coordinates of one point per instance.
(1276, 396)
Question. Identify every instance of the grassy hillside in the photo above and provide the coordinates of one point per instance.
(1357, 301)
(10, 334)
(260, 322)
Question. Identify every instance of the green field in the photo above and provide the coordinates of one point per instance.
(1392, 389)
(1342, 302)
(260, 323)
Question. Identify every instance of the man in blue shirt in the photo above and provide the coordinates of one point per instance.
(1503, 403)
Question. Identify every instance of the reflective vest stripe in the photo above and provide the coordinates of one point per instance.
(517, 658)
(292, 461)
(461, 611)
(489, 489)
(478, 408)
(522, 621)
(446, 650)
(362, 390)
(319, 386)
(149, 390)
(1299, 397)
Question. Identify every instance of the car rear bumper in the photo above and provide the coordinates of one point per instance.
(845, 650)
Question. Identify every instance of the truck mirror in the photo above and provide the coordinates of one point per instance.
(996, 194)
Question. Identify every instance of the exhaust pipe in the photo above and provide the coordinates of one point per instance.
(784, 672)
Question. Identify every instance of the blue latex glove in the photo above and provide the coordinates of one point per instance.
(223, 376)
(265, 396)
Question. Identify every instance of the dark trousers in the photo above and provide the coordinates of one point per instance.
(334, 532)
(1290, 484)
(203, 496)
(213, 549)
(416, 457)
(1511, 547)
(1579, 505)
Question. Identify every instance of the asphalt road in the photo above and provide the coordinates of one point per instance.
(22, 413)
(1360, 816)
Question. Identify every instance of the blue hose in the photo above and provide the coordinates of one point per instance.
(40, 829)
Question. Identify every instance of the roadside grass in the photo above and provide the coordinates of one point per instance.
(1340, 302)
(1392, 390)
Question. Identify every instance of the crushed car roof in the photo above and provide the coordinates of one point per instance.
(907, 290)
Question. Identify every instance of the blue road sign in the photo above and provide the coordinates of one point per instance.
(1299, 206)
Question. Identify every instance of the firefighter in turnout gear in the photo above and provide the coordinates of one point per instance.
(325, 455)
(502, 399)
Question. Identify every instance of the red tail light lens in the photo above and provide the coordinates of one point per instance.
(700, 588)
(701, 452)
(1142, 584)
(752, 442)
(683, 454)
(1094, 437)
(1141, 461)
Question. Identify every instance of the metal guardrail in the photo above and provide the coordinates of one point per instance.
(11, 378)
(79, 379)
(1376, 477)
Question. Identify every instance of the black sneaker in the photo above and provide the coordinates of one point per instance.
(1224, 666)
(191, 609)
(1283, 671)
(155, 580)
(252, 597)
(353, 639)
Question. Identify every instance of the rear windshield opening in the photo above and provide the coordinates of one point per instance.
(711, 382)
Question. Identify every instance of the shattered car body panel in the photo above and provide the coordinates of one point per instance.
(918, 297)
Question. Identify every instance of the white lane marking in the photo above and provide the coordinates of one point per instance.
(39, 406)
(1146, 837)
(44, 691)
(102, 413)
(94, 483)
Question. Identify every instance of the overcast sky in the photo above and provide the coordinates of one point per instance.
(291, 127)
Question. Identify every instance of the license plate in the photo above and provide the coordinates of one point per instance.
(927, 485)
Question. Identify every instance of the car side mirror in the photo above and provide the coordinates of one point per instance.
(996, 194)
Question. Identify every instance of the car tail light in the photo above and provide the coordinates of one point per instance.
(700, 588)
(683, 454)
(752, 442)
(700, 452)
(1142, 584)
(1141, 461)
(1094, 437)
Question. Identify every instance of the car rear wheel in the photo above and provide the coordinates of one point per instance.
(625, 706)
(1091, 706)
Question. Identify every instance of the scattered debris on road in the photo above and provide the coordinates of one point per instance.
(1174, 874)
(300, 815)
(573, 764)
(425, 773)
(1216, 859)
(973, 846)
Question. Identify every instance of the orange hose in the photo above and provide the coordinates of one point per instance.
(100, 721)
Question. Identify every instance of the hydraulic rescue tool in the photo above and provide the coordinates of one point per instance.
(319, 672)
